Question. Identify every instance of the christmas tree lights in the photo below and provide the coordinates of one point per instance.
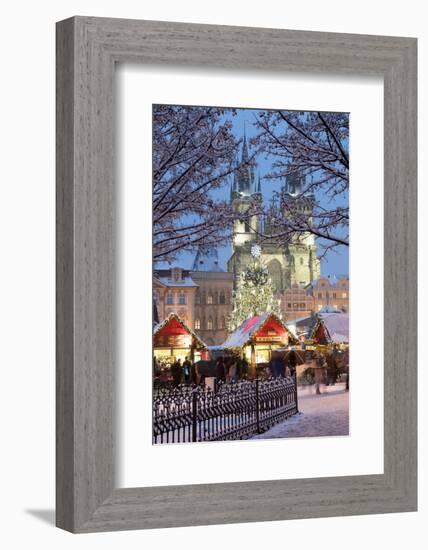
(254, 294)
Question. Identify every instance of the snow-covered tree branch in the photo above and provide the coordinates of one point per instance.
(194, 152)
(312, 146)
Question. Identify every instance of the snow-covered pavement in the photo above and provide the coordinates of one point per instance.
(320, 415)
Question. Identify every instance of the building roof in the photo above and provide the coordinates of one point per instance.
(207, 261)
(299, 320)
(331, 279)
(185, 282)
(249, 328)
(336, 327)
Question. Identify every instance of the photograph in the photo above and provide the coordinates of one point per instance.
(250, 273)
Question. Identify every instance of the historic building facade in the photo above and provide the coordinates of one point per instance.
(213, 299)
(294, 263)
(201, 296)
(174, 292)
(325, 292)
(331, 291)
(296, 303)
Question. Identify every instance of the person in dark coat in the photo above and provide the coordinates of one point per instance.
(238, 367)
(220, 369)
(193, 374)
(276, 366)
(244, 367)
(176, 373)
(331, 369)
(292, 362)
(187, 367)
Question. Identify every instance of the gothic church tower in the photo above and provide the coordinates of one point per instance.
(293, 263)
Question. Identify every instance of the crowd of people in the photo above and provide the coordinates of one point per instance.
(224, 369)
(325, 369)
(319, 368)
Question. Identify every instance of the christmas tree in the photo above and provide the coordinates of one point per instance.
(254, 294)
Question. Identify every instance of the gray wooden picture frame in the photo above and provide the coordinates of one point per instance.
(87, 50)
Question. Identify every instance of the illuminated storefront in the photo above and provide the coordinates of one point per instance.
(258, 337)
(173, 340)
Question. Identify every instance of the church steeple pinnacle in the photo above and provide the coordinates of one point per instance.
(245, 178)
(244, 157)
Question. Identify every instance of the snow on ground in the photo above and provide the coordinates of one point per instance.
(320, 415)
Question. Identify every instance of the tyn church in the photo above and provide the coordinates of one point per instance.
(294, 262)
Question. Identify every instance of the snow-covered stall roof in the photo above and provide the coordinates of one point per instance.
(249, 328)
(335, 325)
(174, 319)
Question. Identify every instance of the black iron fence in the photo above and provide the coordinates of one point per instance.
(232, 411)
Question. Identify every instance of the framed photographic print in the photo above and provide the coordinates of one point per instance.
(236, 274)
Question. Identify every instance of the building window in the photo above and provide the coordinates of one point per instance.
(344, 295)
(289, 306)
(210, 299)
(222, 298)
(169, 299)
(182, 299)
(198, 297)
(334, 295)
(210, 324)
(319, 295)
(197, 324)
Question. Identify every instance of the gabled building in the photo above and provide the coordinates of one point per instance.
(296, 303)
(213, 298)
(330, 291)
(174, 292)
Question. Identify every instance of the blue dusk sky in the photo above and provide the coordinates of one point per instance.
(335, 262)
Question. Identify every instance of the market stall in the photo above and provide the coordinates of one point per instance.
(330, 340)
(173, 340)
(258, 337)
(331, 330)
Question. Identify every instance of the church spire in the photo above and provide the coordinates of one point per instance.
(259, 185)
(244, 147)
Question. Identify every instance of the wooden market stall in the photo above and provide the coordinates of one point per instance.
(258, 337)
(173, 340)
(330, 338)
(331, 330)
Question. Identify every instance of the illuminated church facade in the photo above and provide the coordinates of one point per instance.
(288, 264)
